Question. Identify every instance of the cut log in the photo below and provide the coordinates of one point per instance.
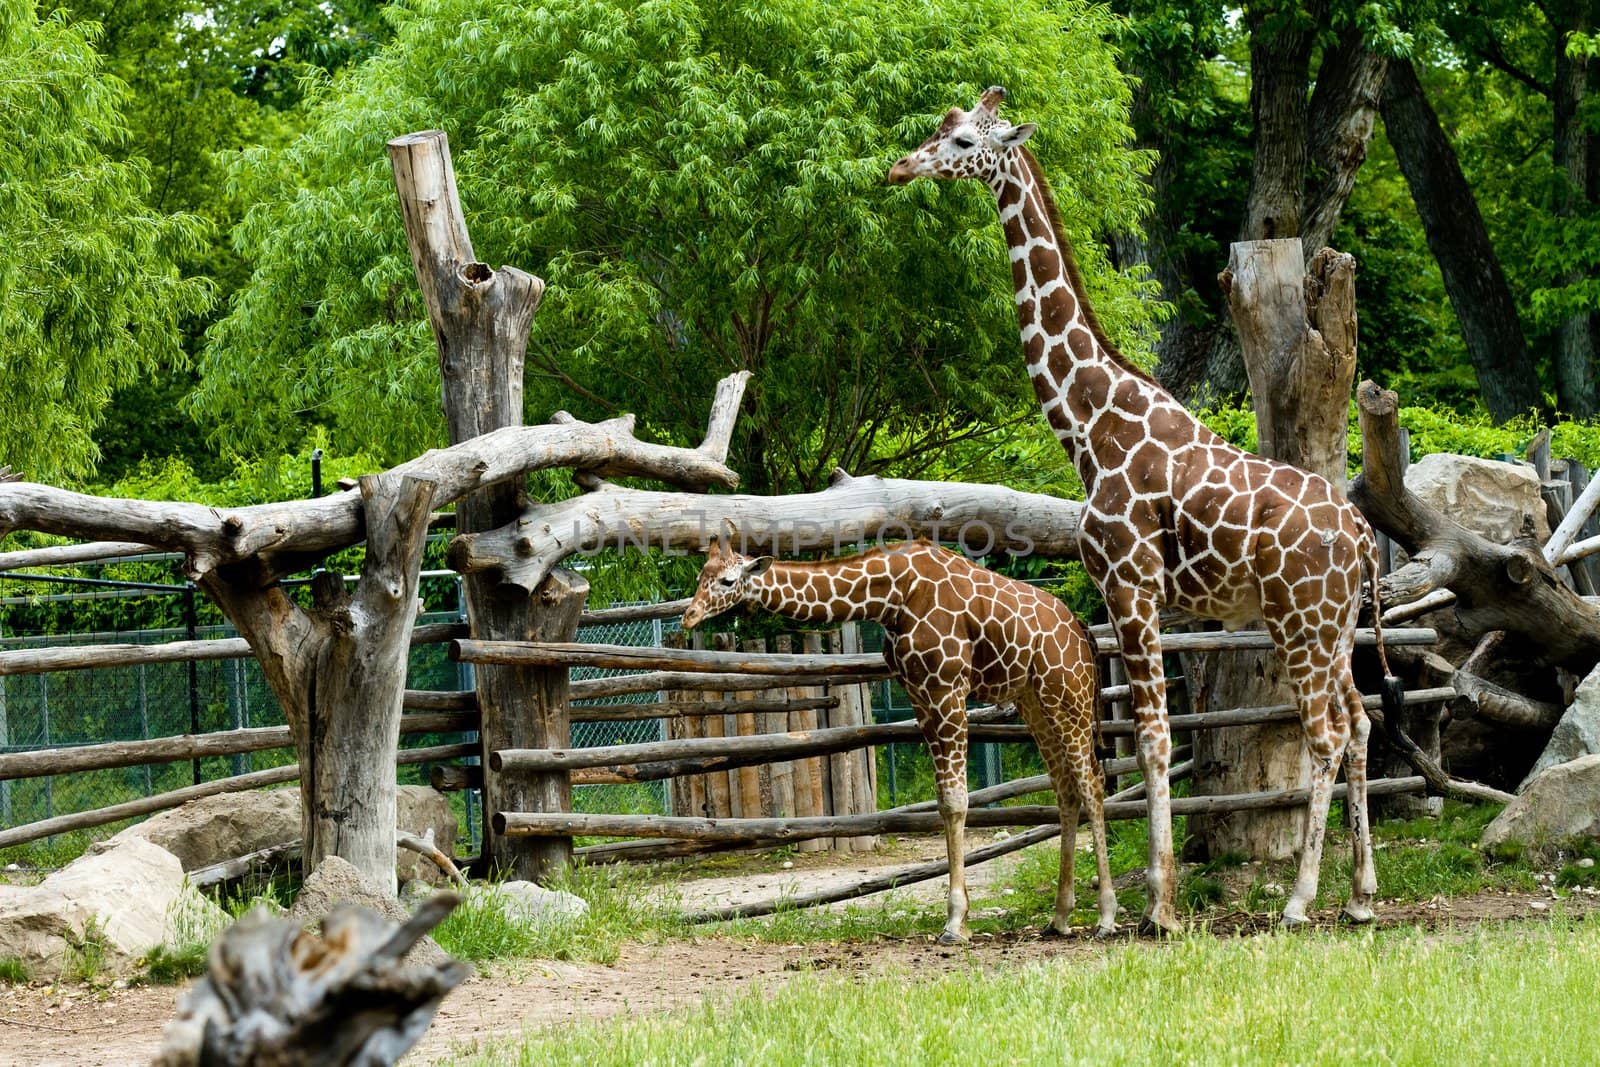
(276, 994)
(1497, 587)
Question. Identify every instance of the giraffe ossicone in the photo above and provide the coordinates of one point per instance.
(953, 630)
(1175, 515)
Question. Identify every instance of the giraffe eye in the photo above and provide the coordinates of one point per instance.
(962, 142)
(729, 582)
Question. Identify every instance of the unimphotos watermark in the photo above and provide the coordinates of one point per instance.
(690, 532)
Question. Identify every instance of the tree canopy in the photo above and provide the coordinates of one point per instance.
(93, 297)
(701, 183)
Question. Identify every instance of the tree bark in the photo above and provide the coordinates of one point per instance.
(1297, 331)
(1343, 112)
(1459, 240)
(1575, 343)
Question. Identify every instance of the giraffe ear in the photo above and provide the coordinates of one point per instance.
(1012, 136)
(757, 566)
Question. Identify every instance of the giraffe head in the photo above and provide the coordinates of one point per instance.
(967, 144)
(724, 583)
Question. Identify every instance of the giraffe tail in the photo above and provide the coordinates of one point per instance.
(1390, 691)
(1392, 694)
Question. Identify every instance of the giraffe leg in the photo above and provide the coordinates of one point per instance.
(1136, 616)
(1363, 873)
(1092, 786)
(946, 733)
(1327, 731)
(1066, 895)
(1047, 720)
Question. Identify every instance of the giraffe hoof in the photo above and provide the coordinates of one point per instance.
(1102, 933)
(1052, 932)
(1148, 927)
(947, 938)
(1357, 914)
(1297, 921)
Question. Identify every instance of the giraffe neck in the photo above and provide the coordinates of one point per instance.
(861, 587)
(1075, 373)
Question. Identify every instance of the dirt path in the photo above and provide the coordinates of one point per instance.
(78, 1027)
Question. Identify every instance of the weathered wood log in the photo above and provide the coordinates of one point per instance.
(1478, 698)
(455, 777)
(882, 822)
(667, 609)
(1296, 321)
(276, 994)
(651, 681)
(241, 866)
(649, 850)
(424, 847)
(132, 809)
(62, 555)
(686, 708)
(630, 657)
(1497, 587)
(440, 700)
(79, 758)
(986, 517)
(100, 657)
(1205, 720)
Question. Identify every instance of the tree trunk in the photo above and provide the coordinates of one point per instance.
(1575, 344)
(1459, 240)
(1298, 335)
(1343, 111)
(481, 320)
(339, 671)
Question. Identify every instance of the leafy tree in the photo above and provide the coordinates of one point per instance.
(701, 182)
(92, 295)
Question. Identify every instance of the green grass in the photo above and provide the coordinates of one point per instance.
(170, 965)
(623, 907)
(13, 971)
(1497, 995)
(86, 956)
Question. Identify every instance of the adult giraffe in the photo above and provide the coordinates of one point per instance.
(1177, 516)
(955, 629)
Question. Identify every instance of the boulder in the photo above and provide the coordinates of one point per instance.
(1488, 496)
(118, 900)
(337, 881)
(224, 827)
(1559, 807)
(535, 904)
(1577, 734)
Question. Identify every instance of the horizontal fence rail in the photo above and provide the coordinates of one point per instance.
(131, 809)
(514, 823)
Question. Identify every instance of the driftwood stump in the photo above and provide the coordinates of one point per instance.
(275, 995)
(1297, 332)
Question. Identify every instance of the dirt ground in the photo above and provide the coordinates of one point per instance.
(84, 1027)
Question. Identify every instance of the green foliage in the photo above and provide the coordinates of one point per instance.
(94, 298)
(86, 953)
(13, 971)
(701, 182)
(168, 965)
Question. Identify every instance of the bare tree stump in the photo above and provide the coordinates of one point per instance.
(1297, 331)
(276, 994)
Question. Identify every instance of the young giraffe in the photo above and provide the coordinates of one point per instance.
(955, 630)
(1177, 516)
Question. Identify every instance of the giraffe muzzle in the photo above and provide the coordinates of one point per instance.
(901, 172)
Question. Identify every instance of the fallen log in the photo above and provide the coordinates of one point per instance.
(1497, 587)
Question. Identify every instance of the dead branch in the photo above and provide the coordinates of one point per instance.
(1497, 587)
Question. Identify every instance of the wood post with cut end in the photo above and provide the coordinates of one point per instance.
(1297, 332)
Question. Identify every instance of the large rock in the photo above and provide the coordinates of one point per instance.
(533, 903)
(123, 899)
(337, 881)
(1487, 496)
(1561, 806)
(223, 827)
(1577, 734)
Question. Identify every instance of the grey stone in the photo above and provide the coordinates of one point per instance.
(1561, 806)
(1487, 496)
(1577, 734)
(535, 904)
(224, 827)
(337, 881)
(132, 894)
